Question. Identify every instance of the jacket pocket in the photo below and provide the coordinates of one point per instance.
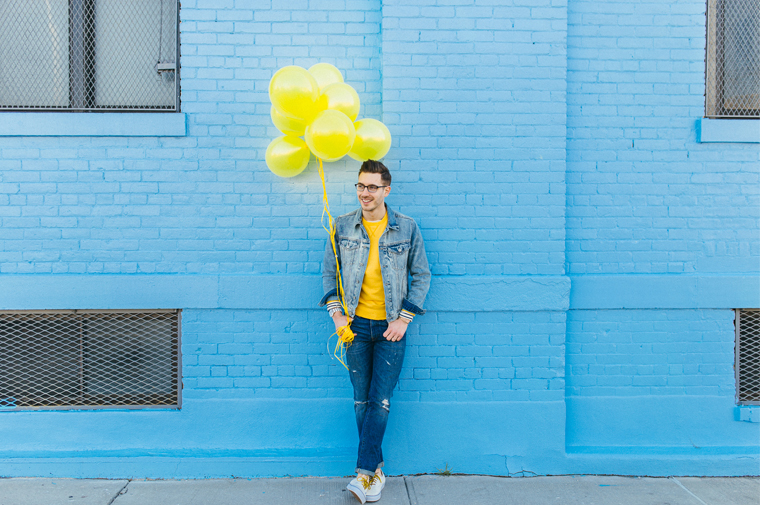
(347, 245)
(398, 254)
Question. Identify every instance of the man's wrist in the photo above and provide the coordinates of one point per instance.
(406, 316)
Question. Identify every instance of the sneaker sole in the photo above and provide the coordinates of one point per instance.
(357, 495)
(374, 498)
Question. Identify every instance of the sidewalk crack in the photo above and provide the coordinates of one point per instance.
(410, 494)
(684, 488)
(122, 491)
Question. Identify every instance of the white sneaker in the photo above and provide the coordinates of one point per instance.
(378, 483)
(359, 487)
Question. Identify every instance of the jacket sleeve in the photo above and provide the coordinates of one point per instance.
(329, 276)
(419, 270)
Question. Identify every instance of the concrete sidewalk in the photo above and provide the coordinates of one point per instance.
(405, 490)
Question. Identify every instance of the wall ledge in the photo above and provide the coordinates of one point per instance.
(667, 291)
(93, 124)
(267, 292)
(728, 130)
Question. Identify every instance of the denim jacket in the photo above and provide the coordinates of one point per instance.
(402, 254)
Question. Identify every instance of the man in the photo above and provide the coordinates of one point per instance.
(385, 280)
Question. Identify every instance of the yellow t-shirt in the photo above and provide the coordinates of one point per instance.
(372, 297)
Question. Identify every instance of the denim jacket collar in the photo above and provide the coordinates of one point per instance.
(392, 220)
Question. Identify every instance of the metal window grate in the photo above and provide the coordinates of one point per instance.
(89, 55)
(83, 359)
(733, 58)
(748, 356)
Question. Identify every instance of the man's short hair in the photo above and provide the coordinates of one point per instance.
(375, 167)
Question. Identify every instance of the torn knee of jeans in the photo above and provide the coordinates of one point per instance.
(386, 404)
(360, 403)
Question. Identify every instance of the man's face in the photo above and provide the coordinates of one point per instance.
(371, 201)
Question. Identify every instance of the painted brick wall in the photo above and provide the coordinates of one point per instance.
(650, 352)
(485, 356)
(205, 203)
(474, 93)
(494, 105)
(643, 196)
(474, 97)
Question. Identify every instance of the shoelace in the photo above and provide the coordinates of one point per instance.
(368, 481)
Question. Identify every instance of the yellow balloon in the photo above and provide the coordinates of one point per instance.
(325, 74)
(287, 125)
(331, 135)
(294, 93)
(287, 156)
(341, 96)
(373, 140)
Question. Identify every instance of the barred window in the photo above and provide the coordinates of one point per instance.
(733, 59)
(89, 359)
(89, 55)
(748, 356)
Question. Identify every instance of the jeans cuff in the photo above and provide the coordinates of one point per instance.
(367, 472)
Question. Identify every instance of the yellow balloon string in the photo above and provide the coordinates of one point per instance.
(344, 333)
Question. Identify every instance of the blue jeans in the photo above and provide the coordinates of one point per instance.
(374, 365)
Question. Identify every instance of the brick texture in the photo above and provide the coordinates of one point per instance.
(650, 353)
(642, 195)
(449, 357)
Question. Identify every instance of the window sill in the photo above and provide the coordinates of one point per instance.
(92, 124)
(728, 130)
(748, 413)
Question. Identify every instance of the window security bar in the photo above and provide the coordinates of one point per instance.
(89, 55)
(748, 356)
(733, 59)
(89, 359)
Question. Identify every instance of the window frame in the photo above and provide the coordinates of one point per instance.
(82, 72)
(173, 316)
(715, 67)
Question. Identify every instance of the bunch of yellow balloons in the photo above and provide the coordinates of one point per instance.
(319, 106)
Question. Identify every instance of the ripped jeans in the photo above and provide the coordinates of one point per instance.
(374, 365)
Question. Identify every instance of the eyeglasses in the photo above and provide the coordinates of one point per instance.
(371, 188)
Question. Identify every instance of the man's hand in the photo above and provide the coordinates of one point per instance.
(396, 330)
(339, 320)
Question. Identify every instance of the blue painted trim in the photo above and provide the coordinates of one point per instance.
(93, 124)
(748, 413)
(257, 437)
(498, 293)
(728, 130)
(458, 294)
(665, 291)
(52, 292)
(273, 292)
(666, 424)
(665, 450)
(660, 465)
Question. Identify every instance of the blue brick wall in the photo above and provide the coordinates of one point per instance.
(205, 203)
(461, 357)
(650, 353)
(536, 142)
(474, 94)
(643, 196)
(650, 361)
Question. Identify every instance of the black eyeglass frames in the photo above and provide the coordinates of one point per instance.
(371, 188)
